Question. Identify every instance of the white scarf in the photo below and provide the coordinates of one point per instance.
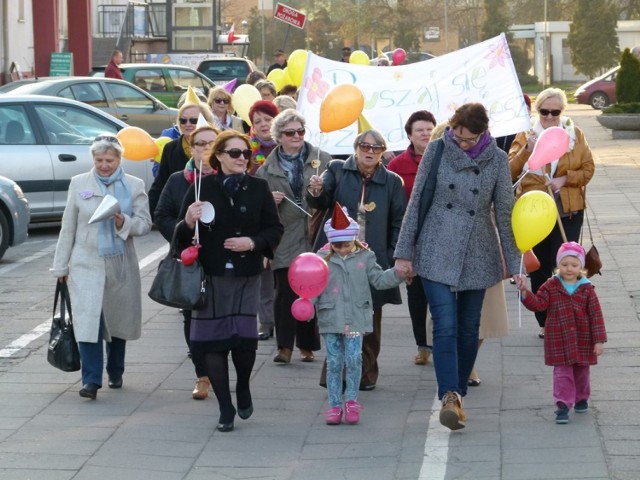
(567, 124)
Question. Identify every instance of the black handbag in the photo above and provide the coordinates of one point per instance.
(63, 349)
(179, 285)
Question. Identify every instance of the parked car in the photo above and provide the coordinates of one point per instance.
(14, 215)
(599, 92)
(165, 82)
(119, 98)
(44, 141)
(223, 70)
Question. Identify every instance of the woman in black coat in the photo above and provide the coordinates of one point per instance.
(245, 229)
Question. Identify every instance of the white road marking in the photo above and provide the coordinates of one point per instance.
(24, 340)
(31, 258)
(436, 446)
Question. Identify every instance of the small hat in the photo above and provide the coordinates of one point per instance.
(572, 249)
(340, 227)
(192, 97)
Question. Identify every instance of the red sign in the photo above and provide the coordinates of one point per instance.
(290, 15)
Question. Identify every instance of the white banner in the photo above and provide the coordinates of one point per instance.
(481, 73)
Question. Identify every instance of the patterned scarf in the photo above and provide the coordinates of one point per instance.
(260, 148)
(232, 183)
(293, 166)
(190, 171)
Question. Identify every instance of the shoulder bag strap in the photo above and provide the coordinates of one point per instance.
(586, 217)
(429, 187)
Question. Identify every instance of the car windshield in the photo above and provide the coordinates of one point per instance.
(225, 69)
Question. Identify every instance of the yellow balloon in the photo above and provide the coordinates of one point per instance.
(341, 107)
(138, 144)
(359, 58)
(243, 99)
(296, 64)
(287, 77)
(532, 219)
(160, 142)
(277, 76)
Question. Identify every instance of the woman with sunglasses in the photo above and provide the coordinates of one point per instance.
(287, 170)
(567, 176)
(166, 216)
(98, 262)
(375, 197)
(455, 250)
(245, 229)
(221, 103)
(177, 153)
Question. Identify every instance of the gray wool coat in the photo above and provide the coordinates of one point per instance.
(93, 287)
(458, 245)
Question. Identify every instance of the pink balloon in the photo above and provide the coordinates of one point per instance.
(302, 309)
(551, 145)
(189, 255)
(398, 56)
(308, 275)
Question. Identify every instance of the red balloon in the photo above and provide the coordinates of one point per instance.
(308, 275)
(398, 56)
(302, 309)
(531, 262)
(189, 255)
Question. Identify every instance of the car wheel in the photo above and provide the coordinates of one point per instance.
(599, 100)
(4, 234)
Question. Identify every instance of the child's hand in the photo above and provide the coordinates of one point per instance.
(598, 349)
(520, 281)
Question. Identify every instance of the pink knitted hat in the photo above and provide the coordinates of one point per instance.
(572, 249)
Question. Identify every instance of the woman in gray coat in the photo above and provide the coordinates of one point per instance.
(456, 253)
(99, 263)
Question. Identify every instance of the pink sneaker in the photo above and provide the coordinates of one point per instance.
(333, 416)
(352, 412)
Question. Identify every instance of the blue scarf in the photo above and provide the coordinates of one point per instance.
(109, 244)
(293, 165)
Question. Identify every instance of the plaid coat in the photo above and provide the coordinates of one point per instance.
(574, 322)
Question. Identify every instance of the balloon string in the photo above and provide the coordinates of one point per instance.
(519, 302)
(196, 186)
(515, 185)
(297, 206)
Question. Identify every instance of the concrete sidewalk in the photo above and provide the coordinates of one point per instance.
(152, 429)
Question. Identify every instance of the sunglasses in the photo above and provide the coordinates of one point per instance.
(468, 141)
(222, 100)
(554, 113)
(368, 147)
(203, 143)
(192, 121)
(106, 138)
(236, 152)
(291, 133)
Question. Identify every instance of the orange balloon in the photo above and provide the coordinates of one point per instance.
(341, 107)
(531, 262)
(138, 144)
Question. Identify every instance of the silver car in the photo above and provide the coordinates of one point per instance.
(14, 215)
(119, 98)
(44, 141)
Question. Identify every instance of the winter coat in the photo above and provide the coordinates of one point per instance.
(577, 165)
(77, 256)
(173, 160)
(342, 182)
(406, 165)
(574, 322)
(458, 245)
(295, 239)
(169, 204)
(252, 214)
(347, 298)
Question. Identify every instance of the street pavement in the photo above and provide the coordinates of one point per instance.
(152, 429)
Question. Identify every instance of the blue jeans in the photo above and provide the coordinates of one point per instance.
(343, 351)
(456, 322)
(92, 359)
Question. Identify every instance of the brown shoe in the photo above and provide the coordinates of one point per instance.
(422, 358)
(201, 390)
(306, 355)
(283, 356)
(452, 415)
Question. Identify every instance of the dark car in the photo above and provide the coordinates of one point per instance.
(119, 98)
(599, 92)
(223, 70)
(165, 82)
(14, 215)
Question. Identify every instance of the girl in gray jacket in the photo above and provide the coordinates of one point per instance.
(345, 311)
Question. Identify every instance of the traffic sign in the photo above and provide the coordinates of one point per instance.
(290, 15)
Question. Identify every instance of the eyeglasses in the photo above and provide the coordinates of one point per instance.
(236, 152)
(222, 100)
(554, 113)
(106, 138)
(368, 147)
(291, 133)
(468, 141)
(192, 121)
(203, 143)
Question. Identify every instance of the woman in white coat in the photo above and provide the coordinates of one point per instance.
(100, 265)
